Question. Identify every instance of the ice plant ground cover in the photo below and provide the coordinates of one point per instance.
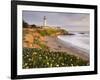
(39, 58)
(41, 48)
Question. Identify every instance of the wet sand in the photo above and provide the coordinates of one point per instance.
(56, 45)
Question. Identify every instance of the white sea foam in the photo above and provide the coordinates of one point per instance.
(78, 40)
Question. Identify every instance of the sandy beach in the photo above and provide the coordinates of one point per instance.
(55, 45)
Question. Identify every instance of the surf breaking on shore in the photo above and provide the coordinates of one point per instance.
(56, 44)
(80, 42)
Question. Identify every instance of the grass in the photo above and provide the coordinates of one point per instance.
(39, 58)
(38, 55)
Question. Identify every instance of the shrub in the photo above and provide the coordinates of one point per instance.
(39, 58)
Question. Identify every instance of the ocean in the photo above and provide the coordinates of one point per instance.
(80, 40)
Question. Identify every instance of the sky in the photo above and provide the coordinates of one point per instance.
(68, 21)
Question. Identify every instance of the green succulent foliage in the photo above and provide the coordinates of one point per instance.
(39, 58)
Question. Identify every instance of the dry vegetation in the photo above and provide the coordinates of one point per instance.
(36, 54)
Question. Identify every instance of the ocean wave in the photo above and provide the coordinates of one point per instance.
(76, 40)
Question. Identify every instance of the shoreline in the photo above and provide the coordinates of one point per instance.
(56, 45)
(76, 43)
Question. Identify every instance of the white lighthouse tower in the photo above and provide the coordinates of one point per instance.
(44, 21)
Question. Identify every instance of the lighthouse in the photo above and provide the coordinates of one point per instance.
(44, 21)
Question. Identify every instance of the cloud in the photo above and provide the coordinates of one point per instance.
(72, 21)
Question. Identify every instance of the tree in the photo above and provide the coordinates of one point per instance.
(25, 24)
(33, 26)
